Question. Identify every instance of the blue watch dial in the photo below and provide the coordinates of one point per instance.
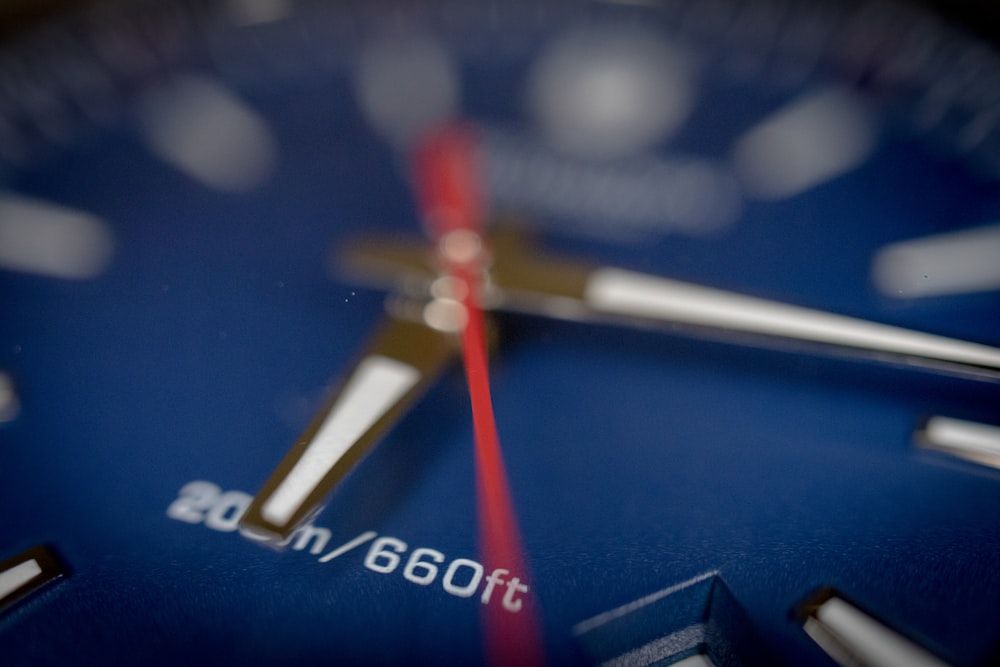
(745, 333)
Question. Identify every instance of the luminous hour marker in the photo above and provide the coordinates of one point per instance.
(10, 404)
(27, 572)
(610, 92)
(50, 240)
(402, 359)
(954, 263)
(855, 639)
(814, 139)
(203, 130)
(968, 440)
(405, 85)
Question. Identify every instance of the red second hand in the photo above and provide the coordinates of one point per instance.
(448, 188)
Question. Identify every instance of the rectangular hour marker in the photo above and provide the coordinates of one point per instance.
(854, 639)
(377, 385)
(204, 130)
(811, 140)
(965, 439)
(17, 576)
(47, 239)
(27, 572)
(954, 263)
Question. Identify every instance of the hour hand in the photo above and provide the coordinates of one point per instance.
(526, 280)
(402, 359)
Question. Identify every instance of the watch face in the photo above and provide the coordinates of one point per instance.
(206, 207)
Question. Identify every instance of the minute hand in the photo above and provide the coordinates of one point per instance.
(525, 280)
(530, 281)
(620, 292)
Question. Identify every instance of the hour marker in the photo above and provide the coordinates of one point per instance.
(954, 263)
(27, 572)
(812, 140)
(17, 576)
(610, 92)
(855, 639)
(10, 404)
(203, 130)
(968, 440)
(406, 85)
(50, 240)
(402, 360)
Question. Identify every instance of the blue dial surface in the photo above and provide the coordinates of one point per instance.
(178, 182)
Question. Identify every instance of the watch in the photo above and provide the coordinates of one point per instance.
(545, 332)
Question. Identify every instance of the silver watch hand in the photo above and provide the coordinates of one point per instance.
(401, 360)
(632, 294)
(527, 281)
